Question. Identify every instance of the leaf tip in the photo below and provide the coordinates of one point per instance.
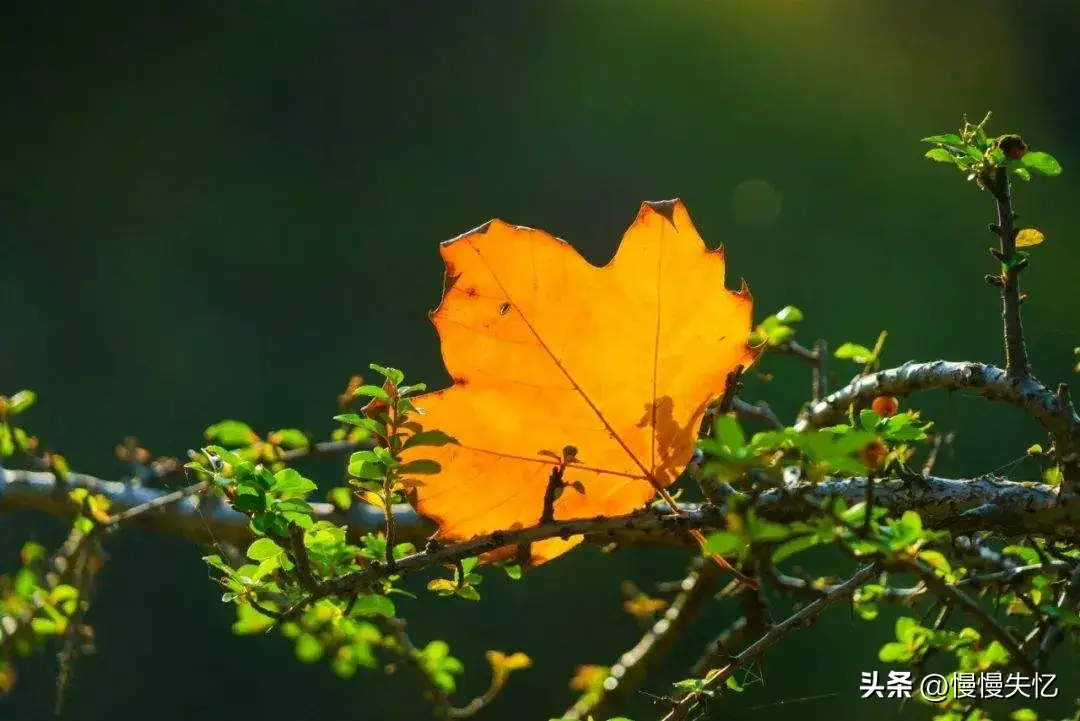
(664, 208)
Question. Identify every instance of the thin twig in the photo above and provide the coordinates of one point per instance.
(800, 619)
(819, 381)
(632, 666)
(989, 624)
(793, 348)
(760, 410)
(1054, 635)
(303, 561)
(940, 442)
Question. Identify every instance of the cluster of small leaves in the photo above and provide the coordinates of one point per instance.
(1037, 594)
(39, 603)
(977, 155)
(14, 439)
(268, 581)
(376, 475)
(867, 443)
(777, 328)
(276, 584)
(249, 445)
(462, 584)
(32, 610)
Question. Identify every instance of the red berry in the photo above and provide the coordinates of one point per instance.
(885, 406)
(873, 453)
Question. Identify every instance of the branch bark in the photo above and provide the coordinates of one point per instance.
(990, 503)
(1054, 411)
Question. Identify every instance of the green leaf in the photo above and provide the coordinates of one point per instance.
(854, 352)
(901, 427)
(936, 560)
(21, 401)
(25, 583)
(994, 654)
(355, 419)
(290, 438)
(789, 314)
(728, 432)
(906, 531)
(391, 374)
(1019, 172)
(249, 500)
(868, 419)
(262, 549)
(1042, 163)
(762, 530)
(32, 553)
(940, 155)
(945, 139)
(1024, 714)
(44, 627)
(796, 545)
(231, 433)
(469, 593)
(289, 483)
(412, 389)
(366, 468)
(372, 392)
(906, 626)
(292, 507)
(374, 605)
(340, 497)
(308, 648)
(894, 652)
(722, 544)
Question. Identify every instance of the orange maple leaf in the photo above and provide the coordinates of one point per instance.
(548, 351)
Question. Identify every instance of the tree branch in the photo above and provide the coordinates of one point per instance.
(990, 503)
(632, 666)
(953, 595)
(203, 519)
(1016, 358)
(1053, 411)
(994, 383)
(800, 619)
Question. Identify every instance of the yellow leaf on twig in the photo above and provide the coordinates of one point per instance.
(1028, 237)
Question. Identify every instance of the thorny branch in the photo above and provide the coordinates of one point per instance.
(1016, 358)
(628, 671)
(1054, 411)
(955, 596)
(1010, 508)
(800, 619)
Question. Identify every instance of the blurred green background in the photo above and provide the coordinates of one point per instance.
(209, 209)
